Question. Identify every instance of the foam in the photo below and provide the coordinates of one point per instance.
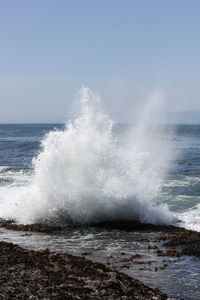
(85, 174)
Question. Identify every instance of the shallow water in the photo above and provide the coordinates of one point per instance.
(179, 279)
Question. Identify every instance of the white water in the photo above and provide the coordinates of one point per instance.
(191, 218)
(86, 173)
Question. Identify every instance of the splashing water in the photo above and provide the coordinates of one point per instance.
(85, 173)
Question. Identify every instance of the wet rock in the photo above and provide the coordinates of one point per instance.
(86, 253)
(12, 225)
(189, 245)
(28, 274)
(152, 247)
(134, 256)
(171, 252)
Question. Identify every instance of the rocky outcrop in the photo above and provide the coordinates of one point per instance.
(28, 274)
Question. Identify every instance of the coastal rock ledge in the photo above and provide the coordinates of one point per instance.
(28, 274)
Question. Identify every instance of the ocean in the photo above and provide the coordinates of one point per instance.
(92, 169)
(20, 143)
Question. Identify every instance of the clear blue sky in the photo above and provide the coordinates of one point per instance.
(122, 49)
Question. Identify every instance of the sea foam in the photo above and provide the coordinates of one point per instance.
(87, 173)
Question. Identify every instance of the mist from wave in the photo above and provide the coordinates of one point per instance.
(85, 173)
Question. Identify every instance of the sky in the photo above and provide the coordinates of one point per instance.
(124, 50)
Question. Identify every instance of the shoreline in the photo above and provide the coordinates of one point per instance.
(29, 274)
(174, 237)
(20, 264)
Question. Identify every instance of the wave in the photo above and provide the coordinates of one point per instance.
(190, 218)
(84, 173)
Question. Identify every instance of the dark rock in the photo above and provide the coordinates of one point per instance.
(28, 274)
(86, 253)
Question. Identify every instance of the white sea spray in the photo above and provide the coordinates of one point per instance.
(85, 174)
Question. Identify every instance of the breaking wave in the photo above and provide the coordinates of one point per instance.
(87, 173)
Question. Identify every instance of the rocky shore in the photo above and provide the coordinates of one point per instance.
(179, 240)
(28, 274)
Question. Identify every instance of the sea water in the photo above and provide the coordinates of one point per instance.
(92, 169)
(87, 171)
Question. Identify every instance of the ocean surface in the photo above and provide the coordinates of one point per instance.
(20, 143)
(91, 169)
